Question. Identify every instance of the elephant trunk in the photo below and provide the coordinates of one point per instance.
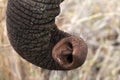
(34, 36)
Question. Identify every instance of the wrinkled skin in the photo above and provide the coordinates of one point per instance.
(34, 35)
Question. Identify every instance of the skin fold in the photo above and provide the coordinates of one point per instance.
(34, 35)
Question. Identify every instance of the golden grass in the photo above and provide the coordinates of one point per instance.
(97, 21)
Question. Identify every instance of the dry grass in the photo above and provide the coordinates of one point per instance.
(97, 21)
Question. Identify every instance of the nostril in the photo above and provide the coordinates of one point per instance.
(69, 58)
(69, 45)
(67, 53)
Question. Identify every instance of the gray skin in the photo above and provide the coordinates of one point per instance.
(33, 34)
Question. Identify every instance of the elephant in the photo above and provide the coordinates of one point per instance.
(33, 34)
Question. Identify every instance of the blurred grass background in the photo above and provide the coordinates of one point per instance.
(97, 21)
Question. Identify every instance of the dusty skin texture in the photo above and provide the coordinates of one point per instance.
(34, 36)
